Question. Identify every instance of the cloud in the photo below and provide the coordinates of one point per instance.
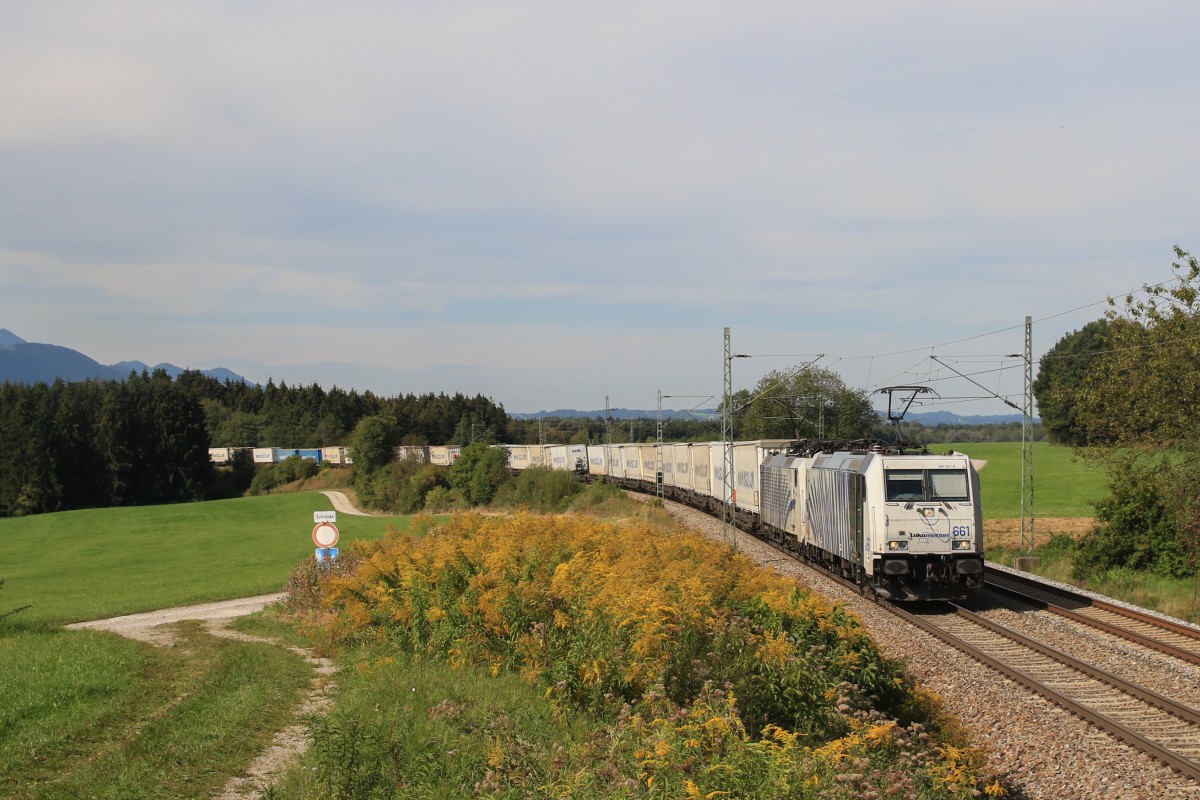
(555, 201)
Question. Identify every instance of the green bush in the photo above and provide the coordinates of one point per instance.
(540, 489)
(442, 499)
(1135, 528)
(271, 476)
(479, 471)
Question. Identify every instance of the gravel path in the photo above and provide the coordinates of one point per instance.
(1039, 750)
(157, 627)
(342, 504)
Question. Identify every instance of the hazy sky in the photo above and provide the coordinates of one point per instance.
(550, 202)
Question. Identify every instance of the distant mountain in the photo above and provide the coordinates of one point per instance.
(26, 362)
(620, 413)
(929, 418)
(8, 338)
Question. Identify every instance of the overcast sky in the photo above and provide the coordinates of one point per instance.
(551, 203)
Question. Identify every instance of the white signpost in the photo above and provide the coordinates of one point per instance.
(325, 535)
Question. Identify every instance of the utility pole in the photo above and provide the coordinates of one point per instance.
(607, 421)
(1027, 560)
(658, 480)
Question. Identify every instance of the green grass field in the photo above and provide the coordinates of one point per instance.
(90, 714)
(1063, 486)
(80, 565)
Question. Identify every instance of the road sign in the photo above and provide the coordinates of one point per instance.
(324, 516)
(325, 534)
(326, 554)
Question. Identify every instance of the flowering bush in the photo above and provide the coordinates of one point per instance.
(719, 676)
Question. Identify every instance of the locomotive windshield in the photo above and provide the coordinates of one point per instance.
(920, 485)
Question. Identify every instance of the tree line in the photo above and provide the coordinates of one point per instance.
(145, 440)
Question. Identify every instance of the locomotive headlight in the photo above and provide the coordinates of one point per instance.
(962, 544)
(927, 513)
(894, 545)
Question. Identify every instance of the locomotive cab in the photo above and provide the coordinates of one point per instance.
(906, 526)
(927, 541)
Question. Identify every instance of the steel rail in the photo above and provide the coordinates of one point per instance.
(1181, 764)
(997, 584)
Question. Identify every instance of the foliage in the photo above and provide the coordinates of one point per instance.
(1136, 528)
(420, 481)
(710, 673)
(806, 403)
(1146, 388)
(1062, 374)
(1143, 393)
(234, 478)
(374, 442)
(478, 472)
(268, 477)
(539, 489)
(442, 499)
(81, 445)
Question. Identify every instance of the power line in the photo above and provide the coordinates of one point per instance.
(1105, 301)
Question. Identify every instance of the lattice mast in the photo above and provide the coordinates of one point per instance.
(1027, 512)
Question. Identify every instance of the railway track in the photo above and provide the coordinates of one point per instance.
(1158, 634)
(1150, 722)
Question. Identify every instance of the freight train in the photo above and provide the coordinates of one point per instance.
(902, 525)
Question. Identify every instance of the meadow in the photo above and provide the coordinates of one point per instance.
(86, 713)
(97, 563)
(1064, 486)
(90, 714)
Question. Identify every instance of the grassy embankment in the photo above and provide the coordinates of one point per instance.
(83, 713)
(89, 714)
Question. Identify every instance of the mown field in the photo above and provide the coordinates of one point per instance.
(79, 565)
(1063, 485)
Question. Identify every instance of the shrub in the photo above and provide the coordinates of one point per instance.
(540, 489)
(269, 477)
(442, 499)
(419, 483)
(595, 610)
(1135, 527)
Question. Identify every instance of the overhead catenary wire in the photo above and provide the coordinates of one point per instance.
(929, 359)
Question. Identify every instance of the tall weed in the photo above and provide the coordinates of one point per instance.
(699, 661)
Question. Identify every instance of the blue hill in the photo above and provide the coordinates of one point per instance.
(31, 362)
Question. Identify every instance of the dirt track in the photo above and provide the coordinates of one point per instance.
(157, 627)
